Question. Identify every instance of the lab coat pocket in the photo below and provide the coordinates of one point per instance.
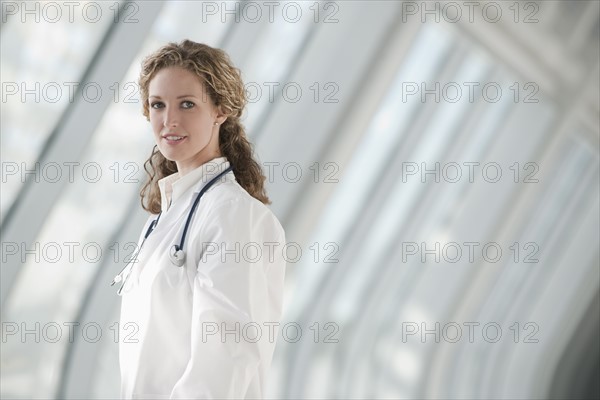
(176, 276)
(169, 276)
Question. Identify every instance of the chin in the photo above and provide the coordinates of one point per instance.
(171, 155)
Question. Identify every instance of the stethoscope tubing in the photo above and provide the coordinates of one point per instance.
(178, 249)
(195, 205)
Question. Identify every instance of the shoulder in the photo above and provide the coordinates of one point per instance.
(229, 204)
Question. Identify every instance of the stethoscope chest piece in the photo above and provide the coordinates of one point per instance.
(177, 256)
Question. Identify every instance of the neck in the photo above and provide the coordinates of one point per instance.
(185, 167)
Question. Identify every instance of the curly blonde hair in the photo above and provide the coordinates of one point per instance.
(224, 85)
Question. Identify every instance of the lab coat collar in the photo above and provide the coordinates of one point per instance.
(172, 187)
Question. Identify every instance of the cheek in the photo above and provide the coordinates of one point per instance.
(196, 124)
(155, 123)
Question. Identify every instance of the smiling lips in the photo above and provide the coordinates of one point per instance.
(171, 139)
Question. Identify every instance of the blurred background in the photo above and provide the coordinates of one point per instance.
(435, 164)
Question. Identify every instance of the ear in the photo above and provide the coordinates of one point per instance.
(220, 116)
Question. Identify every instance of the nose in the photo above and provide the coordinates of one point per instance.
(171, 118)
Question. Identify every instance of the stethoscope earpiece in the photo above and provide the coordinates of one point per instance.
(177, 256)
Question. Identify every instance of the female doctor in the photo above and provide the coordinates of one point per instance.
(202, 299)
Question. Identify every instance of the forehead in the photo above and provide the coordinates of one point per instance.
(173, 80)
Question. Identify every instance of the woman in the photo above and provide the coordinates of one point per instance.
(203, 298)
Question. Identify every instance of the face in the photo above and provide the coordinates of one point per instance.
(183, 119)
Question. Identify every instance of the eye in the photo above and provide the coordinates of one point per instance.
(187, 104)
(152, 105)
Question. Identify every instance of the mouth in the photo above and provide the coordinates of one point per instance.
(173, 139)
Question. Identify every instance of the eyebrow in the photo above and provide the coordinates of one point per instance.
(179, 97)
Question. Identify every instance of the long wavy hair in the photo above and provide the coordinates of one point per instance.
(225, 88)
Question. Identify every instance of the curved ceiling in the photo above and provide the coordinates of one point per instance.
(435, 166)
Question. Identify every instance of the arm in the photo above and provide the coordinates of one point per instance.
(230, 288)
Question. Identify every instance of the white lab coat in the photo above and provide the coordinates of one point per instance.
(178, 333)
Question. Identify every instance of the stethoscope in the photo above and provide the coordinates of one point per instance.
(176, 254)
